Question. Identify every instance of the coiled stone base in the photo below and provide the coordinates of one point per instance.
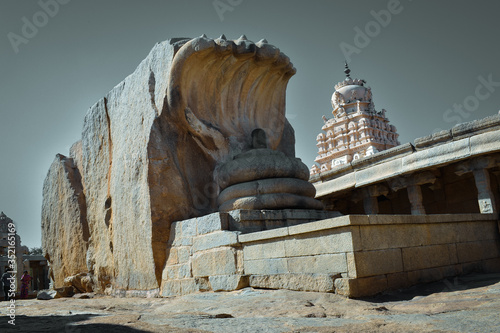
(265, 179)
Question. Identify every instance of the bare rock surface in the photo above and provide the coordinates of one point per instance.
(65, 230)
(148, 153)
(82, 282)
(466, 304)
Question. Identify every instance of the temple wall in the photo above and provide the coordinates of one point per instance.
(393, 252)
(450, 172)
(364, 255)
(206, 253)
(354, 255)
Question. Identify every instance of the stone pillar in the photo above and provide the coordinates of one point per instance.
(412, 184)
(370, 204)
(415, 196)
(479, 167)
(370, 194)
(485, 196)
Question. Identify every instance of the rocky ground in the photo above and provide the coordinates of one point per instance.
(466, 304)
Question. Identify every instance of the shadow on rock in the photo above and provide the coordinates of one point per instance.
(452, 284)
(66, 324)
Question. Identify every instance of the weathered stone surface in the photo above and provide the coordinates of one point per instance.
(264, 250)
(433, 274)
(261, 164)
(343, 182)
(220, 261)
(228, 282)
(433, 139)
(320, 264)
(176, 272)
(361, 287)
(203, 283)
(321, 242)
(491, 123)
(379, 172)
(369, 263)
(171, 288)
(65, 231)
(184, 286)
(480, 250)
(212, 222)
(84, 295)
(83, 282)
(252, 221)
(149, 150)
(326, 224)
(266, 186)
(271, 201)
(465, 304)
(263, 178)
(48, 294)
(421, 257)
(188, 228)
(214, 239)
(299, 282)
(183, 254)
(152, 293)
(438, 155)
(67, 291)
(485, 142)
(266, 266)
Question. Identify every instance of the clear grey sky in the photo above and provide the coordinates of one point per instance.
(420, 62)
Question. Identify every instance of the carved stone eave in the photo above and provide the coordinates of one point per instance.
(426, 177)
(478, 163)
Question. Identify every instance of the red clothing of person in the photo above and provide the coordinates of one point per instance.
(25, 282)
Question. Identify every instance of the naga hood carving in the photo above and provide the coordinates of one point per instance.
(151, 148)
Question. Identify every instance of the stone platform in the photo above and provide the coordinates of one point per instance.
(353, 255)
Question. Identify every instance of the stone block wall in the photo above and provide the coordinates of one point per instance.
(259, 220)
(205, 253)
(393, 252)
(202, 255)
(364, 255)
(306, 257)
(354, 255)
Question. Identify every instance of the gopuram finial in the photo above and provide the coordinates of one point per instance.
(347, 71)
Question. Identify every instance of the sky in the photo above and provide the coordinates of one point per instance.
(430, 64)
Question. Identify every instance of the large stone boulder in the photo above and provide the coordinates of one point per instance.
(150, 148)
(65, 231)
(47, 294)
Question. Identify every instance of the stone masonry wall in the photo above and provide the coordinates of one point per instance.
(305, 257)
(393, 252)
(364, 255)
(203, 255)
(354, 255)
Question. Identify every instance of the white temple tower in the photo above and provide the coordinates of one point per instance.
(356, 129)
